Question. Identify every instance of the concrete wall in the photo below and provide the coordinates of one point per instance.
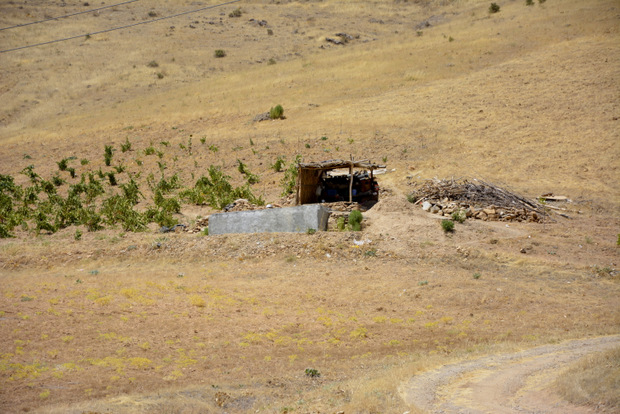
(288, 219)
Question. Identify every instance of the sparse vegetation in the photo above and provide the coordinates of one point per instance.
(236, 12)
(289, 181)
(459, 216)
(246, 315)
(593, 381)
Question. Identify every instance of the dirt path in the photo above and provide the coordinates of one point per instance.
(505, 383)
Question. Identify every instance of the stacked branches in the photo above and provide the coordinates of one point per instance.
(477, 198)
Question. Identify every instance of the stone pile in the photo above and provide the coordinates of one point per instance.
(486, 213)
(476, 199)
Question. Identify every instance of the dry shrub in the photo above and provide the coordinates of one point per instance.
(593, 380)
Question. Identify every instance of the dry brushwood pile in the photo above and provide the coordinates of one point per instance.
(476, 199)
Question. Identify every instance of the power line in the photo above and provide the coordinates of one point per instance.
(65, 16)
(118, 28)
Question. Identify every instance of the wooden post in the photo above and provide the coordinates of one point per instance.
(298, 185)
(351, 182)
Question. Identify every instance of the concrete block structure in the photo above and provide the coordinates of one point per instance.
(272, 220)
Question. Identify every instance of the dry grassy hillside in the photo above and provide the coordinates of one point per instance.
(527, 98)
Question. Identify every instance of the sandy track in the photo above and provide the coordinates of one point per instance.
(505, 383)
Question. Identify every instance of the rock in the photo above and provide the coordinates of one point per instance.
(426, 206)
(435, 209)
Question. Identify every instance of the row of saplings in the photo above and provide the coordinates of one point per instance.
(97, 199)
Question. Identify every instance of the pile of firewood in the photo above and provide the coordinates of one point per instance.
(476, 199)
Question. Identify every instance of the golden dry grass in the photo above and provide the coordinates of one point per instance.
(594, 381)
(527, 97)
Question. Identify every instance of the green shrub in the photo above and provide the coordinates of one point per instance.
(150, 150)
(78, 235)
(63, 164)
(459, 216)
(277, 166)
(243, 169)
(84, 161)
(57, 180)
(340, 224)
(310, 231)
(277, 112)
(107, 154)
(494, 8)
(219, 53)
(529, 2)
(355, 220)
(153, 64)
(289, 181)
(313, 373)
(447, 226)
(126, 146)
(112, 178)
(117, 209)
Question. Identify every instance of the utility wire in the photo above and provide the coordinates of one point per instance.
(65, 16)
(118, 28)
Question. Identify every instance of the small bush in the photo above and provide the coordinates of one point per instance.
(63, 164)
(219, 53)
(289, 181)
(529, 2)
(84, 161)
(153, 64)
(447, 226)
(477, 276)
(277, 166)
(355, 220)
(310, 231)
(459, 216)
(270, 32)
(236, 13)
(78, 235)
(150, 150)
(313, 373)
(340, 224)
(494, 8)
(126, 146)
(160, 75)
(277, 112)
(107, 155)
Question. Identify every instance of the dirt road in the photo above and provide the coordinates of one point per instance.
(505, 383)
